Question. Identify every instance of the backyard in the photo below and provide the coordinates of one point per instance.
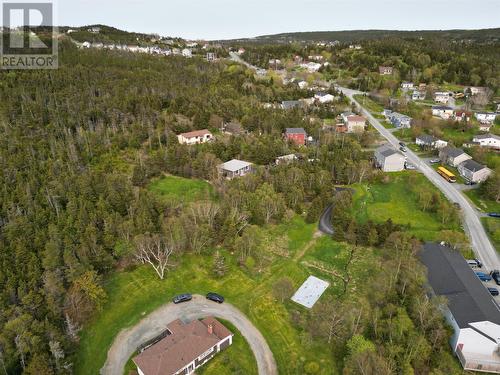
(134, 293)
(181, 189)
(393, 200)
(292, 249)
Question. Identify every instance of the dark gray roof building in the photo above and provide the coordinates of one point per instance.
(450, 276)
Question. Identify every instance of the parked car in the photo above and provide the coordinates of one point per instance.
(403, 149)
(474, 263)
(483, 277)
(494, 214)
(495, 276)
(434, 161)
(182, 298)
(410, 166)
(215, 297)
(493, 291)
(402, 144)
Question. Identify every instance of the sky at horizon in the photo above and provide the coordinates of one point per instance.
(226, 19)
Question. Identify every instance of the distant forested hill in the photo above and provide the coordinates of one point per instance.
(483, 35)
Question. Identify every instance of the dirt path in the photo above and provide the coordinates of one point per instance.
(127, 341)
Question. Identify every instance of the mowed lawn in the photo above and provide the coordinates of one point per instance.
(135, 293)
(237, 357)
(492, 226)
(485, 205)
(396, 201)
(181, 189)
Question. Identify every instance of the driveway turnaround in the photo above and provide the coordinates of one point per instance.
(481, 244)
(128, 340)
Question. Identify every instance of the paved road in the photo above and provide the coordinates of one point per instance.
(127, 341)
(325, 221)
(481, 244)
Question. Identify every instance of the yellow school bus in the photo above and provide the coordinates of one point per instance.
(447, 175)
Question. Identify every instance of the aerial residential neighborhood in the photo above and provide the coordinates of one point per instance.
(216, 188)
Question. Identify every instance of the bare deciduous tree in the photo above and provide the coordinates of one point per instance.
(155, 251)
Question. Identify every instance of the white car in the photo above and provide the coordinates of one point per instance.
(434, 161)
(410, 166)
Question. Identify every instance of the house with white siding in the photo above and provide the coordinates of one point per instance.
(389, 159)
(453, 156)
(442, 111)
(195, 137)
(487, 140)
(473, 171)
(469, 308)
(442, 97)
(235, 168)
(487, 117)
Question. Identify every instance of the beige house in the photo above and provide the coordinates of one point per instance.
(353, 123)
(389, 159)
(473, 171)
(453, 156)
(195, 137)
(183, 347)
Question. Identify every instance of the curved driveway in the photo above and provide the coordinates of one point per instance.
(127, 341)
(481, 244)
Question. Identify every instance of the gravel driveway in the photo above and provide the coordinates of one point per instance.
(128, 340)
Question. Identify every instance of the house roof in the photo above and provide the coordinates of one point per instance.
(185, 343)
(472, 165)
(450, 276)
(235, 165)
(453, 152)
(426, 138)
(295, 131)
(387, 150)
(233, 128)
(355, 118)
(487, 136)
(441, 107)
(196, 133)
(288, 104)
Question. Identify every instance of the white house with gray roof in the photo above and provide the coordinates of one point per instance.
(235, 168)
(453, 156)
(469, 308)
(487, 140)
(473, 171)
(389, 159)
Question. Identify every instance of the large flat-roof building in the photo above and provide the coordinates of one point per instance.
(471, 310)
(184, 347)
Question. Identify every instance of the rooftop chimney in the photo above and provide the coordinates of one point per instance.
(210, 329)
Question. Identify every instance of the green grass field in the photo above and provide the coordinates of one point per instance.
(181, 189)
(492, 226)
(485, 205)
(393, 200)
(369, 104)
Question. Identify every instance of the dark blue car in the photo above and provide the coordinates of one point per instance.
(494, 214)
(182, 298)
(483, 277)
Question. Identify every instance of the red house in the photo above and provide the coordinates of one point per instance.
(297, 135)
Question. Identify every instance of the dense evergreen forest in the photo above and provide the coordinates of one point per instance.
(79, 145)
